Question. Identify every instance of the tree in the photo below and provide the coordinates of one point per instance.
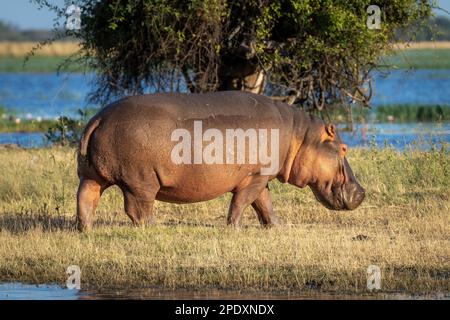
(312, 52)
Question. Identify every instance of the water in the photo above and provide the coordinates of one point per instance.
(412, 87)
(49, 95)
(399, 136)
(45, 95)
(23, 139)
(19, 291)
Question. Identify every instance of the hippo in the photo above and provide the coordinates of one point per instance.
(141, 144)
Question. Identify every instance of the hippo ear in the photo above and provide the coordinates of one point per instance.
(330, 129)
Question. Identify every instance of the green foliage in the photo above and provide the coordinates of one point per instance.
(437, 28)
(318, 51)
(10, 32)
(413, 113)
(67, 131)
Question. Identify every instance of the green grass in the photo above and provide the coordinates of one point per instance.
(411, 58)
(9, 125)
(413, 113)
(418, 59)
(36, 64)
(403, 226)
(398, 113)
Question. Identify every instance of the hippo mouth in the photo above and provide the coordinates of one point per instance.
(332, 199)
(343, 197)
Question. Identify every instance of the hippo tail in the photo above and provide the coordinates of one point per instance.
(84, 141)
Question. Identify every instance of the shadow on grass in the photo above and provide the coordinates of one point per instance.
(18, 223)
(21, 223)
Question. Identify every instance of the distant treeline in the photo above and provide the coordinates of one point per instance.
(437, 29)
(10, 32)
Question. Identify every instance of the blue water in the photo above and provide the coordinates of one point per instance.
(399, 136)
(20, 291)
(412, 87)
(23, 139)
(45, 95)
(48, 95)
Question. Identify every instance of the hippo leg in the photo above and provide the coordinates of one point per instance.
(139, 200)
(89, 192)
(243, 197)
(264, 209)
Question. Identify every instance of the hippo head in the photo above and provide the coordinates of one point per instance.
(320, 163)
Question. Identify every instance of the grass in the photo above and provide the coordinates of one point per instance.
(25, 125)
(418, 59)
(427, 55)
(403, 227)
(396, 113)
(36, 64)
(386, 113)
(22, 48)
(413, 113)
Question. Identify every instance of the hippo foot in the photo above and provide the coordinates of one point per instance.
(83, 227)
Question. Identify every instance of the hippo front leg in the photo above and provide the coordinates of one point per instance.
(245, 195)
(264, 209)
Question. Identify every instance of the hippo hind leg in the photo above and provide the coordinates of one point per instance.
(243, 197)
(139, 199)
(264, 209)
(89, 192)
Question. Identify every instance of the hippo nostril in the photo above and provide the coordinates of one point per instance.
(359, 198)
(354, 198)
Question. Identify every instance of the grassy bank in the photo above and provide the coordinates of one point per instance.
(36, 64)
(430, 58)
(395, 113)
(403, 227)
(434, 55)
(12, 125)
(46, 59)
(410, 113)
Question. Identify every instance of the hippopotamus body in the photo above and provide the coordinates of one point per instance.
(186, 148)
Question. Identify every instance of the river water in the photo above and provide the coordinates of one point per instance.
(48, 95)
(19, 291)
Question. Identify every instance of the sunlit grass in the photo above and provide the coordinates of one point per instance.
(403, 227)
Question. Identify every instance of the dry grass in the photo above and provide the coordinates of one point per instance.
(403, 227)
(65, 48)
(20, 49)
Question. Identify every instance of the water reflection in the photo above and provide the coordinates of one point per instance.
(19, 291)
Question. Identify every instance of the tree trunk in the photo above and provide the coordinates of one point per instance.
(241, 74)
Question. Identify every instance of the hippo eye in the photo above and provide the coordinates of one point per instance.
(332, 146)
